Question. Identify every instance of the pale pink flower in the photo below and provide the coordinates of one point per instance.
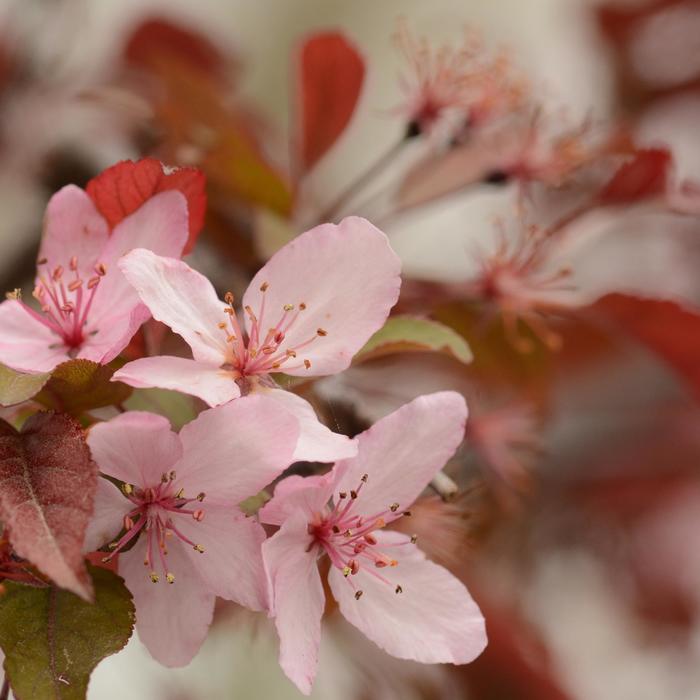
(87, 309)
(307, 312)
(384, 585)
(179, 503)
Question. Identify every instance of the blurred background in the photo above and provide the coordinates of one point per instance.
(548, 213)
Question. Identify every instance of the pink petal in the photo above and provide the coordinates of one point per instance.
(433, 619)
(113, 335)
(297, 600)
(135, 447)
(403, 451)
(26, 344)
(317, 443)
(348, 277)
(208, 382)
(161, 226)
(232, 452)
(72, 227)
(296, 493)
(181, 298)
(172, 619)
(108, 515)
(231, 564)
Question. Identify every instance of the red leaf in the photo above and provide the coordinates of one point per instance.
(123, 188)
(331, 73)
(666, 328)
(47, 485)
(156, 39)
(643, 176)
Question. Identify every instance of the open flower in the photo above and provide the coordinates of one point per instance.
(384, 585)
(178, 507)
(307, 312)
(87, 309)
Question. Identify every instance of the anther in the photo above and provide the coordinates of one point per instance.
(288, 307)
(180, 493)
(164, 478)
(335, 529)
(198, 548)
(346, 571)
(414, 539)
(100, 269)
(128, 523)
(354, 566)
(170, 578)
(154, 577)
(364, 478)
(229, 298)
(128, 489)
(407, 513)
(75, 284)
(302, 306)
(93, 282)
(198, 515)
(73, 263)
(343, 494)
(399, 589)
(347, 533)
(57, 273)
(290, 353)
(370, 539)
(222, 325)
(321, 332)
(172, 474)
(200, 496)
(42, 261)
(307, 364)
(264, 287)
(353, 494)
(394, 507)
(358, 595)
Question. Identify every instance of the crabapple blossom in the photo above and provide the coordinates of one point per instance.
(384, 585)
(175, 522)
(306, 313)
(87, 309)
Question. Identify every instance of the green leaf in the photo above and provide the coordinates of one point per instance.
(176, 407)
(52, 639)
(16, 387)
(253, 504)
(80, 385)
(412, 334)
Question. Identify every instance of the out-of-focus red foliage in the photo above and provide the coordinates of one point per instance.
(331, 73)
(667, 329)
(122, 189)
(645, 175)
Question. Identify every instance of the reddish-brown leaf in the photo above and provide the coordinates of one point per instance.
(47, 485)
(331, 73)
(643, 176)
(120, 190)
(157, 39)
(666, 328)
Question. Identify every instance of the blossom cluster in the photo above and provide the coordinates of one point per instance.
(168, 510)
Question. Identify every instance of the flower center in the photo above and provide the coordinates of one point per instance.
(347, 537)
(65, 300)
(263, 352)
(155, 513)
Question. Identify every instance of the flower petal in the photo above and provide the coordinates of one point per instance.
(172, 620)
(135, 447)
(433, 619)
(347, 275)
(317, 443)
(109, 510)
(297, 493)
(160, 226)
(181, 298)
(72, 227)
(403, 451)
(231, 564)
(232, 452)
(297, 600)
(26, 344)
(202, 379)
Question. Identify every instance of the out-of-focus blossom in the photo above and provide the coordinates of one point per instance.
(465, 83)
(384, 586)
(180, 498)
(87, 309)
(307, 312)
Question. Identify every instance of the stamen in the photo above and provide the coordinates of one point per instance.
(358, 595)
(399, 589)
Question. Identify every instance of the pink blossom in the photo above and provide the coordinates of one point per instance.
(179, 503)
(307, 312)
(87, 309)
(384, 585)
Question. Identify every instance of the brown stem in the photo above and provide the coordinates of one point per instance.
(361, 182)
(5, 692)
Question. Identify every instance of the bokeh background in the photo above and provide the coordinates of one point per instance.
(577, 519)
